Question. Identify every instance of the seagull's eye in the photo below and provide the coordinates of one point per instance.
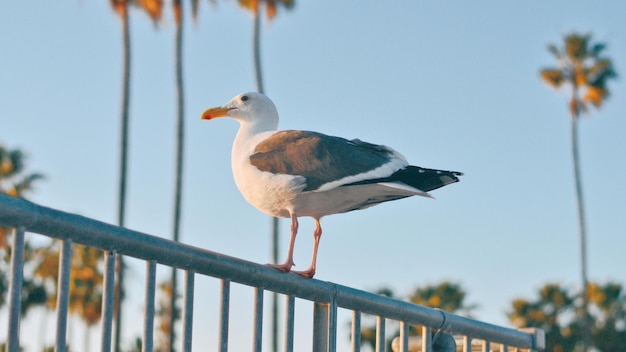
(244, 98)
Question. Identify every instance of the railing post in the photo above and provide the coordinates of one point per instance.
(404, 337)
(356, 331)
(257, 328)
(427, 340)
(320, 326)
(290, 313)
(63, 294)
(108, 300)
(467, 344)
(188, 310)
(148, 323)
(332, 323)
(224, 315)
(380, 334)
(15, 290)
(486, 346)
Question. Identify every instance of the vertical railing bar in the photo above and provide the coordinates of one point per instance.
(63, 294)
(380, 334)
(332, 324)
(148, 322)
(15, 290)
(427, 339)
(257, 334)
(467, 344)
(356, 331)
(486, 346)
(224, 311)
(290, 313)
(404, 337)
(188, 310)
(108, 300)
(320, 326)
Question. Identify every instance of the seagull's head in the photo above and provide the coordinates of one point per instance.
(247, 108)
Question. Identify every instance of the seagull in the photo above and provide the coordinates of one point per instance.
(292, 173)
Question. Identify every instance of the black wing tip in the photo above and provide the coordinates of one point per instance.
(423, 169)
(429, 179)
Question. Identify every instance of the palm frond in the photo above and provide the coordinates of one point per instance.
(576, 46)
(153, 8)
(553, 77)
(555, 51)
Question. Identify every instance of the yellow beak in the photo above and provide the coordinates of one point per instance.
(213, 113)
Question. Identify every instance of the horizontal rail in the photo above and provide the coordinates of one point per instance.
(54, 223)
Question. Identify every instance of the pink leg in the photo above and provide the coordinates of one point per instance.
(317, 234)
(286, 266)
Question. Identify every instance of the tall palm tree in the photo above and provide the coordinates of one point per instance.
(180, 142)
(121, 8)
(180, 138)
(271, 7)
(583, 68)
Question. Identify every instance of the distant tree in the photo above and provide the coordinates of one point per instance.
(163, 313)
(15, 181)
(609, 325)
(447, 296)
(86, 279)
(586, 72)
(554, 311)
(271, 9)
(121, 7)
(180, 139)
(180, 144)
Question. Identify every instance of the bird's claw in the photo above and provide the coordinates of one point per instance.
(307, 274)
(285, 267)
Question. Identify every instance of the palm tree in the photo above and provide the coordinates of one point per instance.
(121, 7)
(180, 137)
(554, 306)
(13, 179)
(447, 296)
(180, 140)
(271, 7)
(583, 68)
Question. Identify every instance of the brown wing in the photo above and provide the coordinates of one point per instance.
(318, 157)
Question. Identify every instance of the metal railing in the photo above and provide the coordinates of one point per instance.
(327, 297)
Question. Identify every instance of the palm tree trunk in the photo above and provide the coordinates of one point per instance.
(119, 294)
(180, 138)
(582, 229)
(256, 46)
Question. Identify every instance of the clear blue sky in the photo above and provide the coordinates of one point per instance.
(451, 85)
